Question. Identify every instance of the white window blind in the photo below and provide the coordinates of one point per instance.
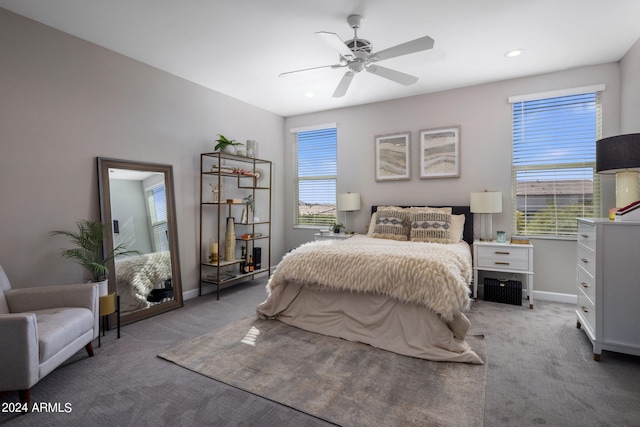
(316, 172)
(157, 201)
(553, 173)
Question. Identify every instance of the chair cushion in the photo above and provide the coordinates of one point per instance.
(4, 286)
(58, 327)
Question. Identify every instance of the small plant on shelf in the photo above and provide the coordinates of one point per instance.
(226, 145)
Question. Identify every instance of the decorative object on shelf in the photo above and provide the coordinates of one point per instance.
(440, 153)
(336, 226)
(226, 145)
(258, 174)
(392, 157)
(621, 155)
(213, 257)
(215, 192)
(486, 203)
(348, 203)
(501, 237)
(89, 239)
(230, 240)
(252, 148)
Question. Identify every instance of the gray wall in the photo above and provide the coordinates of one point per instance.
(64, 102)
(630, 73)
(484, 114)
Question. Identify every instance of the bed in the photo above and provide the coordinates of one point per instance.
(402, 294)
(138, 276)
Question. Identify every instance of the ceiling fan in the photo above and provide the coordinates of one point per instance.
(357, 55)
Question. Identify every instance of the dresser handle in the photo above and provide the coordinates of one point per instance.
(501, 263)
(584, 284)
(501, 253)
(584, 260)
(584, 309)
(584, 236)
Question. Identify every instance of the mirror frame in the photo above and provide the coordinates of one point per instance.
(104, 164)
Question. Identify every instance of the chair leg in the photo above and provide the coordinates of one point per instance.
(89, 349)
(25, 397)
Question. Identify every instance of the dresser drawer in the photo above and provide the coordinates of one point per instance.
(587, 308)
(587, 235)
(507, 257)
(587, 284)
(586, 260)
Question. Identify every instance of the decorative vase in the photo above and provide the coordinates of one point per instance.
(252, 148)
(230, 241)
(103, 287)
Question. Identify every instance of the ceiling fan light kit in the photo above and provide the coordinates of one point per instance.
(357, 55)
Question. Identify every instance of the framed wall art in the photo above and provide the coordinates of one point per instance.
(392, 156)
(440, 152)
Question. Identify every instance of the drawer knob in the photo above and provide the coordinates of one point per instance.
(584, 236)
(584, 309)
(584, 284)
(501, 263)
(584, 260)
(501, 253)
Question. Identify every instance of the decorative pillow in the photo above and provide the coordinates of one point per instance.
(431, 225)
(392, 223)
(372, 224)
(457, 228)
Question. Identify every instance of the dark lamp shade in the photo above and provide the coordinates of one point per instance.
(618, 153)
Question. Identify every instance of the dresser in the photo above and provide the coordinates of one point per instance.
(608, 280)
(504, 258)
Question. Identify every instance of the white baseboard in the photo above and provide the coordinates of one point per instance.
(554, 297)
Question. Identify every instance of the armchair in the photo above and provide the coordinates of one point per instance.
(40, 328)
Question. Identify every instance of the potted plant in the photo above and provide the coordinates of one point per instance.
(89, 238)
(335, 227)
(226, 145)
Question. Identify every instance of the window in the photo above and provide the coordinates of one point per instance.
(158, 215)
(554, 153)
(316, 168)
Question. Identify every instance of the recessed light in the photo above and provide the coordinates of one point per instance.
(513, 53)
(309, 95)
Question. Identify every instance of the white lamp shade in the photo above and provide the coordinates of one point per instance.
(486, 202)
(349, 202)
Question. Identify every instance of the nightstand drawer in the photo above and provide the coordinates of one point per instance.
(587, 284)
(507, 257)
(586, 260)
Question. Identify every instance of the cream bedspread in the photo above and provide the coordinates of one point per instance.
(433, 275)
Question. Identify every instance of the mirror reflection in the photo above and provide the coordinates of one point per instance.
(137, 201)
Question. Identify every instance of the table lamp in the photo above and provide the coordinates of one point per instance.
(621, 155)
(348, 203)
(486, 203)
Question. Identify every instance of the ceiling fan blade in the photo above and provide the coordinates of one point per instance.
(417, 45)
(341, 90)
(333, 40)
(310, 69)
(393, 75)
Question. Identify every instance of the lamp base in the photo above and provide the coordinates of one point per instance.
(486, 234)
(626, 188)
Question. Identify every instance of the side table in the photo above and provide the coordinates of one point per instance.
(504, 258)
(109, 304)
(332, 236)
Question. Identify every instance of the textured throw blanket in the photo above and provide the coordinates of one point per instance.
(136, 276)
(431, 274)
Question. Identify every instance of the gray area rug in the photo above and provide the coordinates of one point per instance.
(347, 383)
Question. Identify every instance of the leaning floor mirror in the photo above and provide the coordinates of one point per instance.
(137, 203)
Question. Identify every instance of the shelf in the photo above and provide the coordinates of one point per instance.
(233, 278)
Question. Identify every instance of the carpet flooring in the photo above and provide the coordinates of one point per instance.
(337, 380)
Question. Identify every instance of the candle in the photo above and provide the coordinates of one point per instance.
(214, 249)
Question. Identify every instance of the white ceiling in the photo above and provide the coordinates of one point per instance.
(240, 47)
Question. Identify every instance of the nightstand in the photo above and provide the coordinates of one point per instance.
(332, 236)
(504, 258)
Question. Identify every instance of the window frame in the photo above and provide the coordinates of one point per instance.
(556, 231)
(298, 179)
